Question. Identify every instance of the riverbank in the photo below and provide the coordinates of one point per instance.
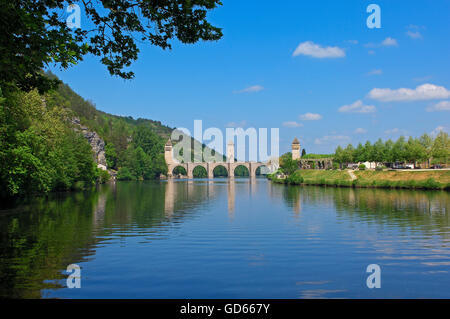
(432, 179)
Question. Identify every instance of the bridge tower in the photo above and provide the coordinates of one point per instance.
(296, 149)
(230, 152)
(168, 153)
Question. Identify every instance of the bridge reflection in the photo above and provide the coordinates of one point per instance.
(179, 193)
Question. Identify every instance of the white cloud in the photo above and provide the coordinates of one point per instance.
(371, 52)
(395, 131)
(315, 50)
(292, 124)
(375, 72)
(389, 42)
(251, 89)
(357, 107)
(413, 31)
(360, 130)
(414, 34)
(310, 117)
(437, 130)
(441, 106)
(237, 124)
(422, 92)
(330, 139)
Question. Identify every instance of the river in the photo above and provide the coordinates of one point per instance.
(241, 238)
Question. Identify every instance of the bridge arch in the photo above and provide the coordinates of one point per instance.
(254, 166)
(220, 170)
(261, 170)
(241, 170)
(199, 171)
(178, 169)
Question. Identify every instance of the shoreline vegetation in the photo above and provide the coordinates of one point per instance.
(425, 180)
(43, 148)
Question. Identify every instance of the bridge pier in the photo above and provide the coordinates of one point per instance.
(230, 170)
(210, 170)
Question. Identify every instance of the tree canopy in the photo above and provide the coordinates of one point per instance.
(412, 150)
(35, 35)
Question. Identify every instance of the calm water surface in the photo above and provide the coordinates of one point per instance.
(227, 239)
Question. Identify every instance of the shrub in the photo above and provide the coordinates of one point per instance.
(362, 167)
(103, 176)
(80, 185)
(431, 184)
(124, 174)
(295, 178)
(379, 168)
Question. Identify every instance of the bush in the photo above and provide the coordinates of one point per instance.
(379, 168)
(80, 185)
(103, 176)
(431, 184)
(39, 153)
(362, 167)
(295, 178)
(124, 174)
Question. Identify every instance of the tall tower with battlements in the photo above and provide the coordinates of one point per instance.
(230, 152)
(295, 149)
(168, 152)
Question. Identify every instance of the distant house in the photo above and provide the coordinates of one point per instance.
(369, 165)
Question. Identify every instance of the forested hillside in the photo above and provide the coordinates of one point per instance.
(134, 148)
(41, 151)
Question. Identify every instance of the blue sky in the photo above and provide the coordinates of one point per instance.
(324, 94)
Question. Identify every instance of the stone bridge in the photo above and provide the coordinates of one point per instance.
(230, 165)
(209, 167)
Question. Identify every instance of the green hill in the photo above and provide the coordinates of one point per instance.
(46, 143)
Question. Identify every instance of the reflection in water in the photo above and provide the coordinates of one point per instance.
(231, 198)
(236, 238)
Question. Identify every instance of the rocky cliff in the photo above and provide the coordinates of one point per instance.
(97, 144)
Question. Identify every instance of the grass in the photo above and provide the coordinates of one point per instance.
(404, 179)
(372, 179)
(317, 156)
(404, 176)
